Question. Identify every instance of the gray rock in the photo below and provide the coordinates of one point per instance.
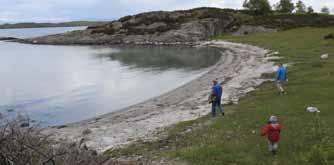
(194, 107)
(97, 119)
(82, 141)
(86, 132)
(24, 124)
(61, 126)
(93, 152)
(246, 29)
(117, 25)
(188, 130)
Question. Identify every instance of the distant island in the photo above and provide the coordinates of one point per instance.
(45, 25)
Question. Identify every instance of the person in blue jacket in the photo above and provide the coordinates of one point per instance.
(281, 78)
(215, 98)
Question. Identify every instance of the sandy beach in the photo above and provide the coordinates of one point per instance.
(240, 70)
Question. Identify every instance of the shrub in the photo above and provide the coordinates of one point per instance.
(329, 36)
(27, 145)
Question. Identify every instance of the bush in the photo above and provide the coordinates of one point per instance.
(27, 145)
(329, 36)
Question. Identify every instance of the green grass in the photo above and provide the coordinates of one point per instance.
(306, 138)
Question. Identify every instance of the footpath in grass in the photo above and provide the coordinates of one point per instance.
(307, 138)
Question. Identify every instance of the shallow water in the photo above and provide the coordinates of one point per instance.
(64, 84)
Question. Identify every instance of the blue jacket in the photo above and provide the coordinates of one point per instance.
(217, 91)
(281, 74)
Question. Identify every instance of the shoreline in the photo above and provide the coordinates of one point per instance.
(240, 68)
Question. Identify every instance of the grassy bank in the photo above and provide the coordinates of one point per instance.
(235, 139)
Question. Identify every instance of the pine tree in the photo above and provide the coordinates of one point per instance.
(245, 4)
(310, 10)
(325, 10)
(285, 6)
(300, 7)
(258, 6)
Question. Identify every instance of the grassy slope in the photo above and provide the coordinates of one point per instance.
(306, 138)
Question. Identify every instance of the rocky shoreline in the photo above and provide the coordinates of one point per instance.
(240, 70)
(87, 37)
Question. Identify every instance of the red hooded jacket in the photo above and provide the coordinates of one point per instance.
(272, 131)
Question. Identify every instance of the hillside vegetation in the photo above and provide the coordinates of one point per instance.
(183, 27)
(161, 21)
(307, 138)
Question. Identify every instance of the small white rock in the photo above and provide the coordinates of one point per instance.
(312, 109)
(324, 56)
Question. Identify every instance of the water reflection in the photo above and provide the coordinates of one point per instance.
(162, 58)
(64, 84)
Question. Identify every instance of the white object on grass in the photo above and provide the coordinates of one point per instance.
(324, 56)
(312, 109)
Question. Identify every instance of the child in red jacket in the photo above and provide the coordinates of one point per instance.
(272, 131)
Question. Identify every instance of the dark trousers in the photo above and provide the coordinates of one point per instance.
(216, 104)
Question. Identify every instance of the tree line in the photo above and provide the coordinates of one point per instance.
(283, 6)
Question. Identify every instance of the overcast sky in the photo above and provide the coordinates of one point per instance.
(69, 10)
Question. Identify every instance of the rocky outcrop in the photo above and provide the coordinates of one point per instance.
(151, 28)
(247, 29)
(183, 27)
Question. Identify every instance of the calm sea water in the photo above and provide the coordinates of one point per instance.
(36, 32)
(64, 84)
